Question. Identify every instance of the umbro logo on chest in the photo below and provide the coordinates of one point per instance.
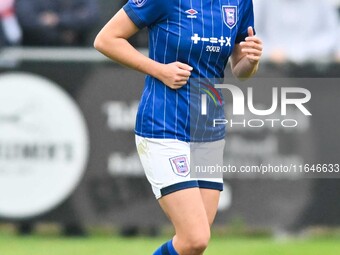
(191, 13)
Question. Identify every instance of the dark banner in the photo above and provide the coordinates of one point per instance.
(79, 137)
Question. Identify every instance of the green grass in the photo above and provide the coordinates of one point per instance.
(105, 245)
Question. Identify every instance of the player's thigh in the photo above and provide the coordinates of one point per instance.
(210, 200)
(208, 155)
(186, 210)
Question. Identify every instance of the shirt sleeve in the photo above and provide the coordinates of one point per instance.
(247, 20)
(147, 12)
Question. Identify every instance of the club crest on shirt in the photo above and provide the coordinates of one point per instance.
(180, 165)
(230, 15)
(139, 3)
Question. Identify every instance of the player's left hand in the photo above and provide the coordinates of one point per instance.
(252, 47)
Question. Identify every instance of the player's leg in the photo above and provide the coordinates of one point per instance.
(166, 165)
(210, 184)
(210, 199)
(186, 210)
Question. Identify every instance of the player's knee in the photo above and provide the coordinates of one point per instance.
(198, 242)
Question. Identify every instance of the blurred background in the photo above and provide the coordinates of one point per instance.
(68, 163)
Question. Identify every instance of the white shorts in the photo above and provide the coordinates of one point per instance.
(166, 163)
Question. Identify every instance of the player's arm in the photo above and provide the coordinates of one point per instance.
(246, 56)
(112, 41)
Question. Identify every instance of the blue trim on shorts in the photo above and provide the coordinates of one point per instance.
(191, 184)
(179, 186)
(210, 185)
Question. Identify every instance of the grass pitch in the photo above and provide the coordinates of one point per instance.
(112, 245)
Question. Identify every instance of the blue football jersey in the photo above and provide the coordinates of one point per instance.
(202, 34)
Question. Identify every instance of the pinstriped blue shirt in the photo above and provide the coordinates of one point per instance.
(202, 34)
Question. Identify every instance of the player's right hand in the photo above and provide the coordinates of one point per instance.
(175, 75)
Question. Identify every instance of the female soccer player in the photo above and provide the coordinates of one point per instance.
(188, 40)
